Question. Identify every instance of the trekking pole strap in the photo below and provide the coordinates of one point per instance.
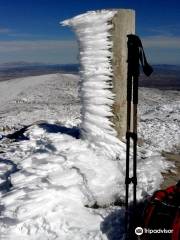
(137, 55)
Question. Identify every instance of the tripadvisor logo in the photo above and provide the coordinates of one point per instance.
(139, 231)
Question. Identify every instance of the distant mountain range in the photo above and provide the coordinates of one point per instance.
(8, 65)
(163, 77)
(23, 69)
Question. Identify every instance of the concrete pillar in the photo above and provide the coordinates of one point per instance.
(124, 23)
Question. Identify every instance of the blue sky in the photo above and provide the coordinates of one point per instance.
(30, 30)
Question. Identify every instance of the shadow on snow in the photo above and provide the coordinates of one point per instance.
(55, 128)
(6, 184)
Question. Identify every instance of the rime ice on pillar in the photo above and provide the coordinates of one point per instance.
(93, 32)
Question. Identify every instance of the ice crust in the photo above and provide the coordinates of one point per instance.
(95, 45)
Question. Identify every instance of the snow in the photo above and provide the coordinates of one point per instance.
(159, 119)
(93, 34)
(32, 99)
(51, 179)
(59, 174)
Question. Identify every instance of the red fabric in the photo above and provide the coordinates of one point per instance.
(169, 196)
(171, 189)
(148, 214)
(166, 194)
(176, 227)
(159, 195)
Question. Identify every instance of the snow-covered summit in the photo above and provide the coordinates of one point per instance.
(50, 179)
(56, 177)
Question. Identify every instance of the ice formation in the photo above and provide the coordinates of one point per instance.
(95, 45)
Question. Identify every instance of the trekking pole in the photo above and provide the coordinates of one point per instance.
(129, 96)
(135, 56)
(133, 66)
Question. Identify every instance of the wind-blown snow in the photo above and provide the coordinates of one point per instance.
(58, 176)
(93, 33)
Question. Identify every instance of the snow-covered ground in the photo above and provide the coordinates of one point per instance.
(159, 119)
(30, 99)
(57, 177)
